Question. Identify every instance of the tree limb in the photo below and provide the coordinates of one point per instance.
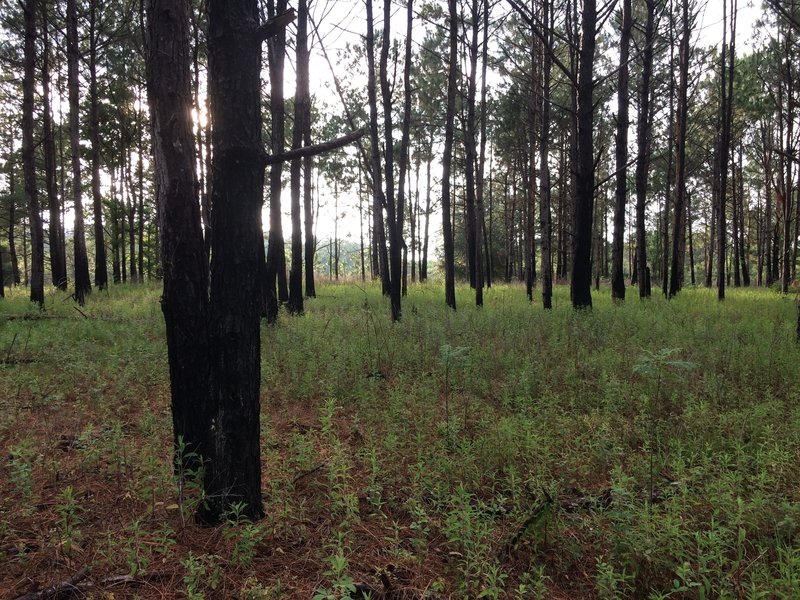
(314, 149)
(274, 25)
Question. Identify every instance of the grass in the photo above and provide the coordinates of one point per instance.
(642, 450)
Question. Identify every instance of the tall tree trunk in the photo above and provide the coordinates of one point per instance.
(378, 198)
(727, 119)
(276, 254)
(308, 213)
(233, 474)
(301, 113)
(618, 247)
(184, 300)
(423, 265)
(58, 259)
(12, 218)
(100, 267)
(545, 219)
(581, 279)
(394, 210)
(29, 159)
(83, 283)
(679, 205)
(404, 142)
(447, 157)
(471, 156)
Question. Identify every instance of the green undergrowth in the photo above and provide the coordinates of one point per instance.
(638, 450)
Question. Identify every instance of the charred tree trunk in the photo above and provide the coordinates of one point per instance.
(83, 283)
(581, 278)
(679, 205)
(301, 113)
(378, 198)
(447, 158)
(184, 300)
(28, 156)
(545, 219)
(100, 267)
(394, 210)
(276, 255)
(621, 198)
(58, 259)
(233, 473)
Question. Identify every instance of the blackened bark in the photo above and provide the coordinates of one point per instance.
(447, 158)
(28, 158)
(100, 267)
(58, 259)
(483, 275)
(643, 128)
(621, 197)
(301, 113)
(679, 204)
(310, 243)
(545, 219)
(470, 157)
(276, 255)
(184, 300)
(392, 209)
(403, 159)
(233, 473)
(83, 283)
(581, 279)
(378, 198)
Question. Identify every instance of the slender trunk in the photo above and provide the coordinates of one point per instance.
(58, 259)
(423, 265)
(82, 279)
(301, 100)
(308, 213)
(545, 220)
(29, 159)
(643, 135)
(447, 158)
(581, 279)
(618, 246)
(470, 158)
(679, 205)
(12, 218)
(100, 267)
(378, 198)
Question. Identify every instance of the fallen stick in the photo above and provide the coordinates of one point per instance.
(58, 588)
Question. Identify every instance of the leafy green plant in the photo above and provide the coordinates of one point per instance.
(341, 585)
(69, 519)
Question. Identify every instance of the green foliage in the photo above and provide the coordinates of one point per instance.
(578, 443)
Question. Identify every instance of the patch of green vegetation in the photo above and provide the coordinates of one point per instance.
(638, 450)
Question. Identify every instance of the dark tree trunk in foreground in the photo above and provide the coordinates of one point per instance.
(581, 278)
(29, 159)
(726, 112)
(100, 267)
(276, 255)
(184, 300)
(447, 159)
(233, 473)
(83, 284)
(58, 259)
(621, 198)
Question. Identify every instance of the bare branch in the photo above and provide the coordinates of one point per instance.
(275, 24)
(315, 149)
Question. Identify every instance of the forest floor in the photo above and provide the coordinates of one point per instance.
(640, 450)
